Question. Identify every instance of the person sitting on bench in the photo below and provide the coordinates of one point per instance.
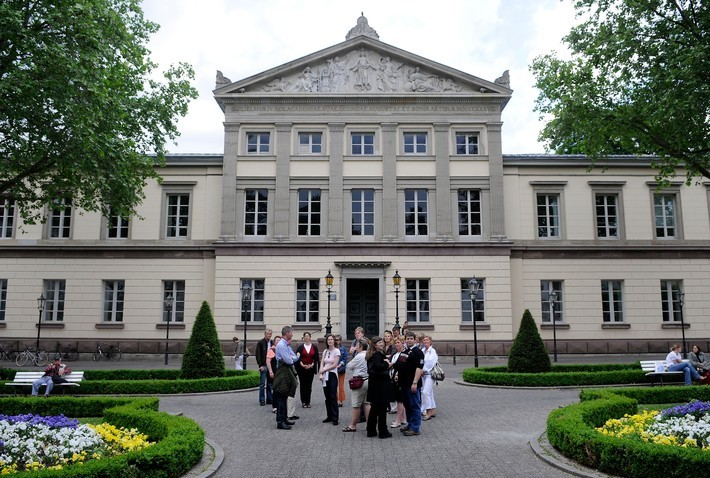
(54, 373)
(674, 363)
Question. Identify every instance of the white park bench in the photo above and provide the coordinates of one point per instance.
(25, 379)
(649, 366)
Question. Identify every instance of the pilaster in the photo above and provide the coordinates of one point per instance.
(390, 223)
(283, 171)
(229, 182)
(335, 190)
(443, 182)
(497, 202)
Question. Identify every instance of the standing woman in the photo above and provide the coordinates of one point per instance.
(389, 345)
(329, 378)
(430, 359)
(379, 391)
(398, 395)
(307, 366)
(341, 369)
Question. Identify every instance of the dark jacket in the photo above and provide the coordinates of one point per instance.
(379, 390)
(262, 346)
(285, 381)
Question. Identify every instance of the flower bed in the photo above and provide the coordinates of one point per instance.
(33, 442)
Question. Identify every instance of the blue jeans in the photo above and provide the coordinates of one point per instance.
(687, 369)
(264, 386)
(38, 383)
(413, 409)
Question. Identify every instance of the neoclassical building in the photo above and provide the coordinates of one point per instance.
(364, 161)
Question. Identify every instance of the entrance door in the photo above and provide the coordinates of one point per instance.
(363, 307)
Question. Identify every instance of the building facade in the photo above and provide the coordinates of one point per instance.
(364, 161)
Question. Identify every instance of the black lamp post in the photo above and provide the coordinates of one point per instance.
(397, 281)
(329, 286)
(680, 296)
(169, 300)
(473, 287)
(41, 300)
(552, 298)
(246, 299)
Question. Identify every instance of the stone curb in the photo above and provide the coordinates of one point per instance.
(547, 453)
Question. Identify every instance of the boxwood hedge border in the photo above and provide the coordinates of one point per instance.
(179, 441)
(571, 430)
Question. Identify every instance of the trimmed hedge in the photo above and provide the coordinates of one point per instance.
(560, 375)
(151, 382)
(179, 441)
(571, 430)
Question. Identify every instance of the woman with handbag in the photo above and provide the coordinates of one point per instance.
(379, 392)
(358, 383)
(430, 360)
(329, 378)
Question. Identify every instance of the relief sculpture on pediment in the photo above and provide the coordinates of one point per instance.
(363, 72)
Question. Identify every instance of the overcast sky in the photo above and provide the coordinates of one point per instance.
(245, 37)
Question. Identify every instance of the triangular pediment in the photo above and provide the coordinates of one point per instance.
(361, 65)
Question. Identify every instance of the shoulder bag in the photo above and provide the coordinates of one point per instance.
(437, 373)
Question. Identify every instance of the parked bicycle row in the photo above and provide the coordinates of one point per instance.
(63, 352)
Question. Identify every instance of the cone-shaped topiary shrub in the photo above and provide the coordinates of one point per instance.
(203, 356)
(528, 353)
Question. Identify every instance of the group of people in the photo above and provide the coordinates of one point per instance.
(390, 374)
(696, 368)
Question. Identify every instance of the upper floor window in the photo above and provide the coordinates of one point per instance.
(258, 143)
(113, 300)
(362, 144)
(416, 213)
(548, 215)
(254, 309)
(7, 217)
(466, 301)
(309, 212)
(255, 212)
(670, 300)
(307, 300)
(54, 292)
(612, 301)
(175, 290)
(363, 212)
(415, 143)
(117, 226)
(547, 286)
(177, 215)
(418, 300)
(664, 213)
(469, 209)
(3, 298)
(606, 209)
(310, 143)
(466, 143)
(60, 219)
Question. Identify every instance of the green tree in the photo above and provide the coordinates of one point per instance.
(638, 82)
(81, 109)
(203, 356)
(528, 353)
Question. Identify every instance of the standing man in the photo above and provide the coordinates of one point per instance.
(410, 374)
(263, 346)
(359, 334)
(285, 381)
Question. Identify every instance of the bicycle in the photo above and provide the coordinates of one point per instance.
(8, 353)
(39, 358)
(110, 353)
(68, 353)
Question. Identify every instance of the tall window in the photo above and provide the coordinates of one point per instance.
(670, 304)
(307, 300)
(362, 144)
(3, 299)
(418, 300)
(310, 143)
(176, 290)
(466, 302)
(415, 143)
(7, 217)
(415, 212)
(612, 301)
(60, 220)
(309, 208)
(117, 226)
(177, 215)
(254, 310)
(546, 287)
(255, 212)
(548, 215)
(664, 212)
(258, 143)
(469, 212)
(607, 212)
(54, 306)
(466, 143)
(363, 212)
(113, 300)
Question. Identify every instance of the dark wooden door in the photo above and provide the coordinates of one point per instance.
(363, 307)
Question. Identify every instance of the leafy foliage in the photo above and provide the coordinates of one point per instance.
(637, 83)
(80, 108)
(203, 355)
(528, 353)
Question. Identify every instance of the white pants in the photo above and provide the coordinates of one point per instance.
(290, 407)
(238, 362)
(427, 393)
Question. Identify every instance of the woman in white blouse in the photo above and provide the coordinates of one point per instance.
(430, 359)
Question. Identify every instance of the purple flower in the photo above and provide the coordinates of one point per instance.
(52, 421)
(694, 408)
